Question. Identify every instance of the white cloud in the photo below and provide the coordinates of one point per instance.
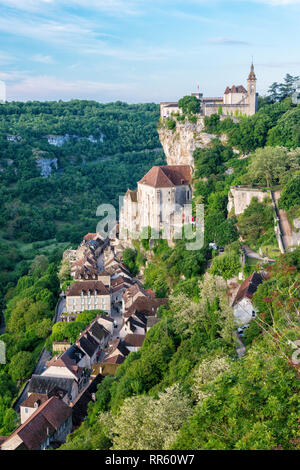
(50, 87)
(228, 42)
(281, 3)
(43, 59)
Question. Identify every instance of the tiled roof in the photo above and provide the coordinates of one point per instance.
(85, 286)
(167, 176)
(117, 345)
(74, 353)
(88, 344)
(235, 89)
(248, 287)
(64, 361)
(151, 321)
(47, 419)
(133, 290)
(44, 384)
(147, 306)
(117, 359)
(34, 398)
(134, 340)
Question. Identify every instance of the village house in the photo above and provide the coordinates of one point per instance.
(47, 427)
(146, 305)
(242, 304)
(134, 341)
(88, 295)
(107, 322)
(118, 285)
(64, 388)
(65, 367)
(135, 323)
(116, 353)
(131, 294)
(31, 404)
(158, 202)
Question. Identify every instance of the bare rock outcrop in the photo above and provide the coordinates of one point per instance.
(179, 145)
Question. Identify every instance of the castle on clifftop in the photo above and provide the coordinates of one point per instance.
(235, 101)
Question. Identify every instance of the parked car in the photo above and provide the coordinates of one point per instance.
(115, 324)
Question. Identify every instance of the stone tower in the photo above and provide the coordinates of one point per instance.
(252, 91)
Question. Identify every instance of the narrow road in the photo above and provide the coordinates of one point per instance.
(283, 222)
(241, 349)
(2, 324)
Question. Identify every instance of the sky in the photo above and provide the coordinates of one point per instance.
(144, 50)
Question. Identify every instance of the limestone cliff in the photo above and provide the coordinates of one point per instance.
(180, 144)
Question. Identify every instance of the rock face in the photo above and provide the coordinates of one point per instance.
(239, 198)
(46, 166)
(180, 144)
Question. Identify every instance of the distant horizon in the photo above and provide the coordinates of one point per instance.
(137, 52)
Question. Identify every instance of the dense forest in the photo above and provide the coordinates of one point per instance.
(189, 357)
(58, 162)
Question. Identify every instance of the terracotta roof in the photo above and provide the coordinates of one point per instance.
(117, 345)
(133, 290)
(120, 280)
(33, 399)
(64, 361)
(167, 176)
(85, 286)
(118, 359)
(235, 89)
(248, 287)
(90, 236)
(147, 306)
(47, 419)
(134, 340)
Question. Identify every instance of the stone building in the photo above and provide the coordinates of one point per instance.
(88, 295)
(235, 101)
(47, 427)
(161, 193)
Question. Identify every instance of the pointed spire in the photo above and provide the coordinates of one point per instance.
(252, 75)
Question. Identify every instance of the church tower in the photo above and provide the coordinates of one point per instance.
(252, 95)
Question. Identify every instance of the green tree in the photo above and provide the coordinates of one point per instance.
(21, 365)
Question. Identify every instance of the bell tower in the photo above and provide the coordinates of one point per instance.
(252, 95)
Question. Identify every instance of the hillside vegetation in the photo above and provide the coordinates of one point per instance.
(102, 149)
(187, 382)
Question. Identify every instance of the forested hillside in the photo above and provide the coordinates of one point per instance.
(187, 382)
(58, 162)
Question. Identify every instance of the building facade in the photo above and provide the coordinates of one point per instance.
(158, 202)
(235, 101)
(88, 295)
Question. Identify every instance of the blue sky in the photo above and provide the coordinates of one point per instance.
(143, 50)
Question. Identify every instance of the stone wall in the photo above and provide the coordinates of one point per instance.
(239, 198)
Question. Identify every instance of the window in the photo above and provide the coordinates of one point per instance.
(26, 410)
